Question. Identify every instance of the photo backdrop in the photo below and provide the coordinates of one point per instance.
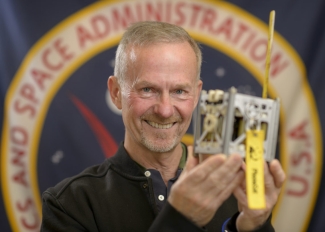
(57, 118)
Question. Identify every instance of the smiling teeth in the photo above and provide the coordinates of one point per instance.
(160, 126)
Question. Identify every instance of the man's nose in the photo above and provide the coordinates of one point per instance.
(164, 106)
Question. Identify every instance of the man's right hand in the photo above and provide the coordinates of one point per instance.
(203, 187)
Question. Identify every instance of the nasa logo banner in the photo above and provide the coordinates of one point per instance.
(58, 117)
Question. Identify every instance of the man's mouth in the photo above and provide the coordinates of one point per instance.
(160, 126)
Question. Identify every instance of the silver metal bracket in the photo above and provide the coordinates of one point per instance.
(221, 120)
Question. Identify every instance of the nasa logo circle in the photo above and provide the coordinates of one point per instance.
(59, 118)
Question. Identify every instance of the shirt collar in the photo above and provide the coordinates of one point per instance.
(182, 161)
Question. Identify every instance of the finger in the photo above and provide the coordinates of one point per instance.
(243, 167)
(210, 165)
(241, 196)
(203, 157)
(240, 190)
(191, 161)
(268, 178)
(234, 186)
(231, 166)
(198, 173)
(226, 174)
(277, 172)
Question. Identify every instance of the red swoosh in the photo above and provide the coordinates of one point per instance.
(106, 141)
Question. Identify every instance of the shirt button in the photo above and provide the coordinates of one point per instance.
(161, 197)
(147, 173)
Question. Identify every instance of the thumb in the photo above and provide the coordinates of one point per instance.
(191, 161)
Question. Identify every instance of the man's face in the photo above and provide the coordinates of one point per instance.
(160, 93)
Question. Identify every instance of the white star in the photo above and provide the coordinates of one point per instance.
(56, 158)
(220, 72)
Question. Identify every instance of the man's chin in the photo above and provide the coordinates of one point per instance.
(159, 147)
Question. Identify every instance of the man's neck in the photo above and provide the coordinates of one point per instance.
(166, 163)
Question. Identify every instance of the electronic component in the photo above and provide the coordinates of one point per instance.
(221, 120)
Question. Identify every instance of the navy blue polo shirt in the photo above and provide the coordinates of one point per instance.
(161, 191)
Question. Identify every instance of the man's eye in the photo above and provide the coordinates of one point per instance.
(146, 89)
(179, 91)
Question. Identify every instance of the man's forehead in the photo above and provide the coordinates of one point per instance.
(153, 52)
(140, 60)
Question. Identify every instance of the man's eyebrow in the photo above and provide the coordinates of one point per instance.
(176, 86)
(144, 83)
(183, 86)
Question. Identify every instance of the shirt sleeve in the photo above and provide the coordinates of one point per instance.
(169, 219)
(55, 218)
(231, 225)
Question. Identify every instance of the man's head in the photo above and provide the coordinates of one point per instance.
(156, 84)
(143, 34)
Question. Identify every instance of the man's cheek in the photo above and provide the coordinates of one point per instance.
(186, 109)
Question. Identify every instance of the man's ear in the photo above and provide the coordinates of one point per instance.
(198, 89)
(115, 91)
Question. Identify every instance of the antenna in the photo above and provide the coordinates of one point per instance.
(268, 53)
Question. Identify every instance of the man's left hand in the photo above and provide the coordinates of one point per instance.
(249, 219)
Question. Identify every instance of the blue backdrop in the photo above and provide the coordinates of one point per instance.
(58, 121)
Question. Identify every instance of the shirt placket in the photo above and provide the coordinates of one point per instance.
(161, 191)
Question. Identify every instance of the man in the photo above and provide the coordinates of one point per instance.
(145, 186)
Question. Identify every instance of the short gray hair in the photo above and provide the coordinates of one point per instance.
(150, 32)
